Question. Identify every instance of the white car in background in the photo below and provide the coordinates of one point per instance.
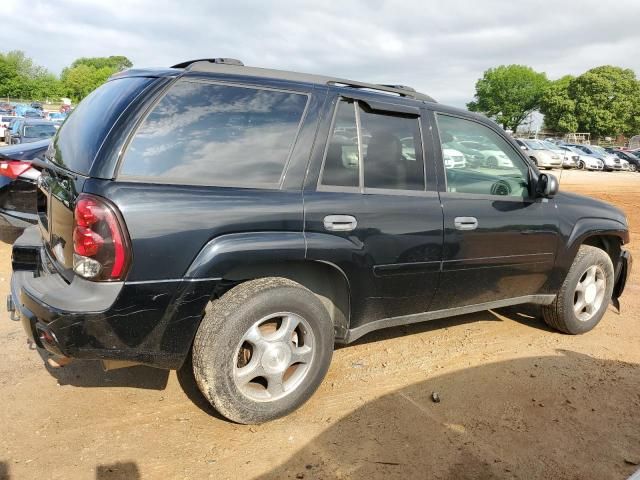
(569, 159)
(5, 120)
(584, 162)
(540, 154)
(493, 157)
(453, 158)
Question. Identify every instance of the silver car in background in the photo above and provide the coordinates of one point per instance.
(569, 159)
(584, 162)
(540, 154)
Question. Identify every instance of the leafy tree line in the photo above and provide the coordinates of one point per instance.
(20, 77)
(604, 101)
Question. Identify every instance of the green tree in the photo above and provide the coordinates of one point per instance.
(86, 74)
(20, 77)
(606, 100)
(114, 62)
(79, 81)
(509, 93)
(558, 107)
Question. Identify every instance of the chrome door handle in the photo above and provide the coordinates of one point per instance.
(465, 223)
(340, 223)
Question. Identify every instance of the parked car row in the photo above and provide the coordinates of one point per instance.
(549, 154)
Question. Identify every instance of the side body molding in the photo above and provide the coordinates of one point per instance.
(222, 255)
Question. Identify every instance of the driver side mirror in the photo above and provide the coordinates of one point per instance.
(522, 147)
(547, 185)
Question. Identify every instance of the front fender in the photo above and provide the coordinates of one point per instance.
(591, 227)
(583, 229)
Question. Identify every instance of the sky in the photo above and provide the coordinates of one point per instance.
(438, 47)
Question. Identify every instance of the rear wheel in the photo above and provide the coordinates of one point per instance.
(585, 293)
(262, 349)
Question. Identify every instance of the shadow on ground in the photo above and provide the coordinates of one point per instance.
(566, 416)
(8, 233)
(118, 471)
(89, 373)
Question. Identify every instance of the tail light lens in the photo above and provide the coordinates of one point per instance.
(100, 241)
(13, 168)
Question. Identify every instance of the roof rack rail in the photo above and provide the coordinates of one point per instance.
(400, 87)
(224, 61)
(401, 90)
(235, 67)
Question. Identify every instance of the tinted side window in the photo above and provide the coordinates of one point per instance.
(479, 161)
(342, 161)
(202, 133)
(391, 150)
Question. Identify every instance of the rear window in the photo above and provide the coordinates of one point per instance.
(85, 129)
(43, 131)
(211, 134)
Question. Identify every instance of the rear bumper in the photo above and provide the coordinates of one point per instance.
(153, 323)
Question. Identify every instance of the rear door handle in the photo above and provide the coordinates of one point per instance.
(340, 223)
(465, 223)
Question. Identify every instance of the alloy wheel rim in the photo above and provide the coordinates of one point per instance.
(274, 357)
(589, 293)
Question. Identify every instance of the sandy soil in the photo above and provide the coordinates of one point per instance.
(517, 401)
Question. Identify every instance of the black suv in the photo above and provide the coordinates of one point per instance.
(252, 218)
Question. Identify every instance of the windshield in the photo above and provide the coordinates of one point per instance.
(535, 145)
(551, 146)
(595, 148)
(575, 150)
(43, 131)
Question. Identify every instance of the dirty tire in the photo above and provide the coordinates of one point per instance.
(560, 314)
(225, 323)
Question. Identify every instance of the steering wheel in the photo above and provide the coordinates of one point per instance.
(501, 187)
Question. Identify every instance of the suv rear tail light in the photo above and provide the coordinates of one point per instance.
(100, 241)
(13, 168)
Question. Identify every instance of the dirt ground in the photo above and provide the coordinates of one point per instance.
(517, 401)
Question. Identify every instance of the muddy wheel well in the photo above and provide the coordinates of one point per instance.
(327, 282)
(609, 243)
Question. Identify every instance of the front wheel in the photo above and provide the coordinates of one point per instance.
(581, 165)
(633, 167)
(585, 293)
(262, 349)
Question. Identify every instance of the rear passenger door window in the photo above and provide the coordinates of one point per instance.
(216, 134)
(373, 150)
